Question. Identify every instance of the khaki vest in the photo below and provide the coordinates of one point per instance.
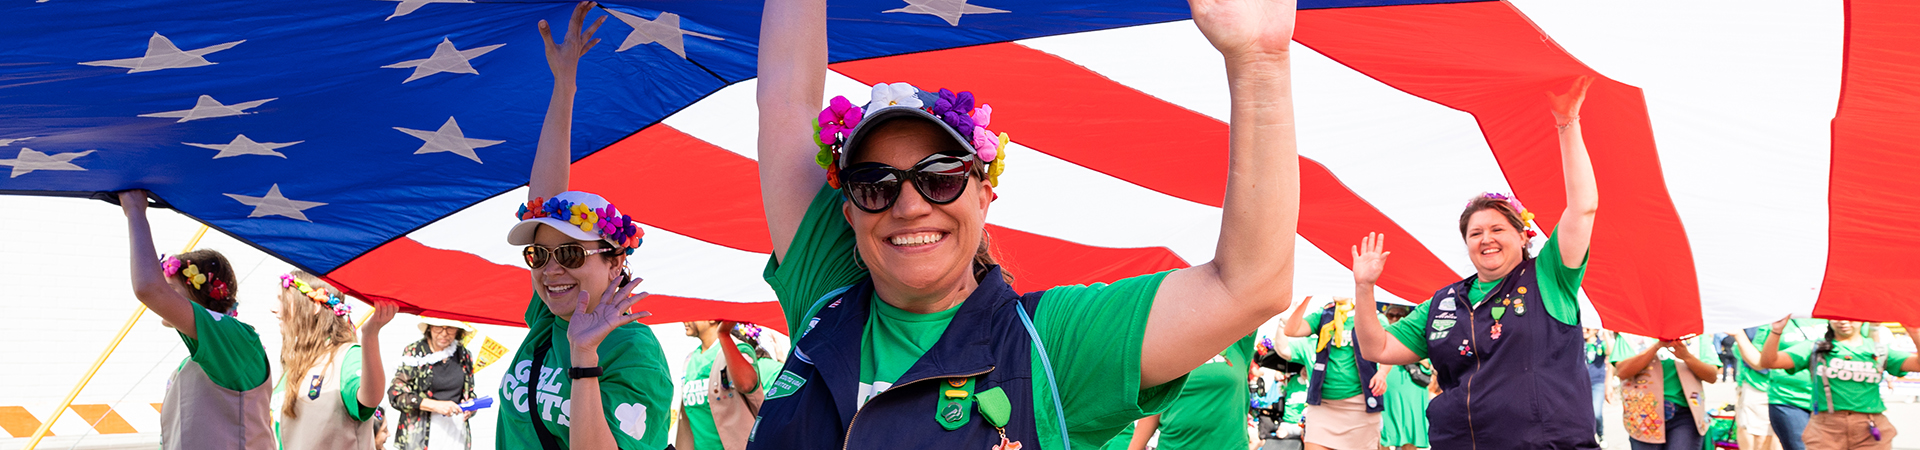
(1645, 399)
(733, 412)
(323, 422)
(201, 415)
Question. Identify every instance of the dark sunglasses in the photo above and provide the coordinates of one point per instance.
(570, 256)
(941, 178)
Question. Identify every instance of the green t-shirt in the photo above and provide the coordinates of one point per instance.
(1343, 371)
(693, 394)
(228, 350)
(1852, 373)
(635, 388)
(1669, 367)
(1559, 293)
(893, 341)
(1786, 387)
(1212, 411)
(1297, 386)
(1092, 334)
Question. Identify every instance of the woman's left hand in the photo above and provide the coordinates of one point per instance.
(589, 326)
(1245, 28)
(1566, 107)
(383, 312)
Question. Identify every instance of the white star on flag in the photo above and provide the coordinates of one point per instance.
(664, 30)
(242, 145)
(449, 139)
(30, 160)
(408, 6)
(162, 55)
(274, 204)
(208, 108)
(445, 58)
(7, 142)
(948, 10)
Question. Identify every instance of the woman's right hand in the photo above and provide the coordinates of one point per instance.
(564, 58)
(1370, 259)
(1781, 325)
(133, 200)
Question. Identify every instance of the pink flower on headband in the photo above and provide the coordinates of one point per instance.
(170, 265)
(983, 116)
(985, 144)
(840, 117)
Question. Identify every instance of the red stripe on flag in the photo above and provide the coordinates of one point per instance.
(1489, 60)
(1055, 106)
(1039, 262)
(1873, 200)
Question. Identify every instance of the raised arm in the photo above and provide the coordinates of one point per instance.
(1375, 344)
(793, 77)
(554, 155)
(1913, 361)
(1199, 311)
(740, 370)
(1636, 363)
(1296, 324)
(373, 374)
(1702, 370)
(1749, 354)
(149, 283)
(1770, 355)
(1583, 193)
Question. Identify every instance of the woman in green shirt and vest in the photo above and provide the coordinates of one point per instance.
(878, 218)
(1660, 393)
(1344, 391)
(587, 376)
(1847, 371)
(219, 397)
(333, 382)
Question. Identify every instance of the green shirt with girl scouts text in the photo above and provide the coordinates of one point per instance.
(1854, 370)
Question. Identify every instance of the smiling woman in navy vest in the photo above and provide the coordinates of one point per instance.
(1506, 342)
(907, 333)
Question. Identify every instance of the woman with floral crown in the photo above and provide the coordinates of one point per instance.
(219, 396)
(332, 382)
(586, 376)
(1514, 326)
(908, 335)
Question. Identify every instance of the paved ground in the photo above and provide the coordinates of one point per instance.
(1904, 414)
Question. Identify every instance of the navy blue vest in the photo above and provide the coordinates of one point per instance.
(811, 403)
(1526, 389)
(1367, 368)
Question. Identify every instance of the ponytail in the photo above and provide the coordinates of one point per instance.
(983, 260)
(1825, 344)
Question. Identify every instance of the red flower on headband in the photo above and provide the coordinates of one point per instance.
(219, 290)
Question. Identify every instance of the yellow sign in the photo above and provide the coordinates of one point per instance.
(490, 351)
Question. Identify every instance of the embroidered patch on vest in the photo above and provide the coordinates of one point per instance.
(1447, 304)
(784, 385)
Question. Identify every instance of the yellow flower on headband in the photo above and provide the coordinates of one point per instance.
(999, 163)
(193, 274)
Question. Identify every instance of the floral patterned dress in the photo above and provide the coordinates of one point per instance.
(413, 381)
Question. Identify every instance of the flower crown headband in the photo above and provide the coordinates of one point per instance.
(1526, 217)
(215, 288)
(955, 110)
(618, 229)
(318, 295)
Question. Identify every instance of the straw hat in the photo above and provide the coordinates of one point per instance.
(439, 322)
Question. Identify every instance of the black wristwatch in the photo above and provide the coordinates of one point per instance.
(583, 372)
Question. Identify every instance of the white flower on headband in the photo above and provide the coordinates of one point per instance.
(894, 94)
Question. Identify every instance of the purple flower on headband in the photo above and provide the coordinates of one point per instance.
(956, 110)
